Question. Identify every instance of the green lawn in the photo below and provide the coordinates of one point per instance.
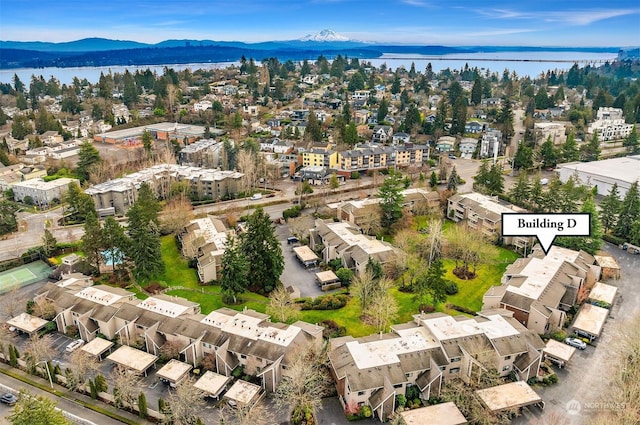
(470, 292)
(177, 271)
(210, 298)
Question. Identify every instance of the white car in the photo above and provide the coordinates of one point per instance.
(575, 342)
(74, 345)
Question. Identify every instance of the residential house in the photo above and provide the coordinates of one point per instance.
(491, 102)
(468, 146)
(202, 105)
(446, 144)
(474, 127)
(490, 143)
(361, 116)
(382, 134)
(540, 289)
(399, 138)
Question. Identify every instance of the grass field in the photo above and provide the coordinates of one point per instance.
(210, 298)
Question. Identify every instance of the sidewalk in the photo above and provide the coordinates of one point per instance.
(68, 402)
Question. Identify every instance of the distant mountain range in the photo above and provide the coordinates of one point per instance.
(107, 52)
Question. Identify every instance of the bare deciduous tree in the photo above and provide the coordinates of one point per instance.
(306, 380)
(363, 287)
(257, 414)
(469, 248)
(281, 306)
(11, 304)
(38, 349)
(382, 310)
(247, 164)
(299, 227)
(44, 308)
(83, 364)
(176, 214)
(125, 386)
(170, 350)
(185, 402)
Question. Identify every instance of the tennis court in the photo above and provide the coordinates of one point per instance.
(23, 275)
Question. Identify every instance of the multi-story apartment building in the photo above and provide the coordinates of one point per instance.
(540, 289)
(610, 125)
(206, 153)
(41, 192)
(484, 213)
(203, 183)
(556, 131)
(204, 240)
(320, 157)
(424, 353)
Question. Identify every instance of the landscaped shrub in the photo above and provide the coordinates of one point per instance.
(412, 392)
(451, 288)
(326, 302)
(332, 329)
(426, 308)
(101, 383)
(613, 239)
(401, 400)
(238, 372)
(142, 405)
(292, 212)
(366, 411)
(461, 309)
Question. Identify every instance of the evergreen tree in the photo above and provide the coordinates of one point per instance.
(395, 86)
(351, 134)
(452, 183)
(115, 241)
(346, 112)
(591, 243)
(234, 277)
(520, 192)
(505, 119)
(609, 208)
(49, 243)
(591, 150)
(548, 154)
(91, 242)
(537, 193)
(88, 156)
(144, 244)
(431, 285)
(356, 82)
(459, 116)
(569, 150)
(313, 132)
(147, 142)
(495, 184)
(391, 199)
(130, 91)
(631, 141)
(629, 212)
(433, 179)
(383, 110)
(523, 159)
(412, 119)
(262, 251)
(79, 204)
(476, 92)
(481, 179)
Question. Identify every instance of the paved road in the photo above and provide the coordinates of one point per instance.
(62, 403)
(586, 379)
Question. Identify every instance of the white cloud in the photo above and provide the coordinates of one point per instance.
(570, 17)
(417, 3)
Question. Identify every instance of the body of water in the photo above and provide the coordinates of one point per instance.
(529, 64)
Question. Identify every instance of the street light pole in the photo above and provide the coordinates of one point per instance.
(46, 366)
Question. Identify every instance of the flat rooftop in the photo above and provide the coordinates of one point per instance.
(133, 358)
(326, 276)
(174, 371)
(625, 169)
(385, 351)
(607, 261)
(27, 323)
(590, 319)
(102, 294)
(305, 254)
(164, 307)
(540, 271)
(559, 350)
(508, 396)
(212, 383)
(40, 184)
(487, 203)
(97, 346)
(243, 392)
(370, 246)
(603, 292)
(251, 327)
(438, 414)
(446, 327)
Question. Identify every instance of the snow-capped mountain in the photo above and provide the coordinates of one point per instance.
(325, 35)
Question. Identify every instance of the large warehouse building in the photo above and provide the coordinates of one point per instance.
(605, 173)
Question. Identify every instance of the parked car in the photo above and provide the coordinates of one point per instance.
(575, 342)
(9, 399)
(74, 345)
(452, 156)
(256, 196)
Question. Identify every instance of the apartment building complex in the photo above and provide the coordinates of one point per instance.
(203, 184)
(610, 125)
(427, 351)
(41, 192)
(540, 289)
(204, 240)
(232, 338)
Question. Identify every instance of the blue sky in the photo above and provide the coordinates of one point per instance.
(448, 22)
